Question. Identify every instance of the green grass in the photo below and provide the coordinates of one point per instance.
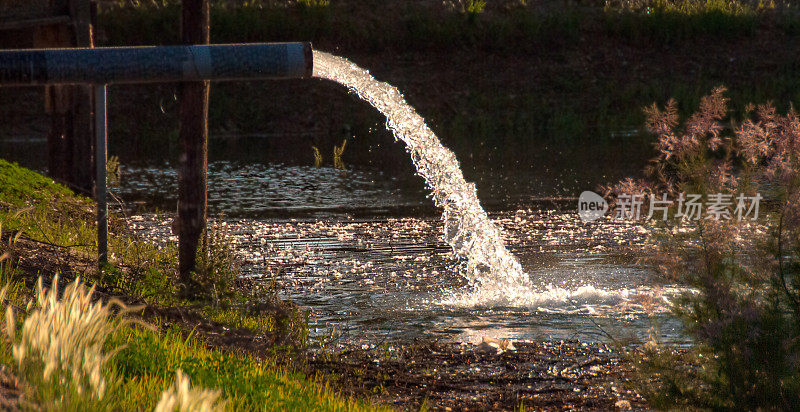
(672, 22)
(20, 187)
(237, 319)
(149, 359)
(43, 210)
(48, 212)
(149, 362)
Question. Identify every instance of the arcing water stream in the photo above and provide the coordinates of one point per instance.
(494, 274)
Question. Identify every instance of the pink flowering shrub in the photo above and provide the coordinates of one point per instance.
(745, 316)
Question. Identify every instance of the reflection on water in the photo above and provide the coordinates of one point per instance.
(275, 190)
(375, 279)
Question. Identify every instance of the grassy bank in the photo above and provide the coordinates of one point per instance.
(146, 365)
(46, 228)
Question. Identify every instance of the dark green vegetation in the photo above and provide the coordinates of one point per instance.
(418, 26)
(43, 226)
(508, 78)
(745, 316)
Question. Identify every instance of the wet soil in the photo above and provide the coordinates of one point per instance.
(543, 375)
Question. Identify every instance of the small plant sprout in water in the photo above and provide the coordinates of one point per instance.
(317, 157)
(338, 151)
(475, 7)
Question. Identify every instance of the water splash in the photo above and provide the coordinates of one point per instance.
(493, 272)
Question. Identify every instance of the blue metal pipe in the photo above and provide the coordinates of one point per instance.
(104, 65)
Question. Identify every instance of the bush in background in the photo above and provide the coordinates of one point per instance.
(744, 315)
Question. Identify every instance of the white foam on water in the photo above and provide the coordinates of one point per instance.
(583, 299)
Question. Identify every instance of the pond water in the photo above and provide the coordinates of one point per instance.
(364, 251)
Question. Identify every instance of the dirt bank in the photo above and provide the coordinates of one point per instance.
(542, 375)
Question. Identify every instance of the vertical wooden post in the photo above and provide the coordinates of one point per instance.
(59, 102)
(82, 174)
(193, 135)
(71, 138)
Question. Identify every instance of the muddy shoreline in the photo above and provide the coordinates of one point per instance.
(538, 375)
